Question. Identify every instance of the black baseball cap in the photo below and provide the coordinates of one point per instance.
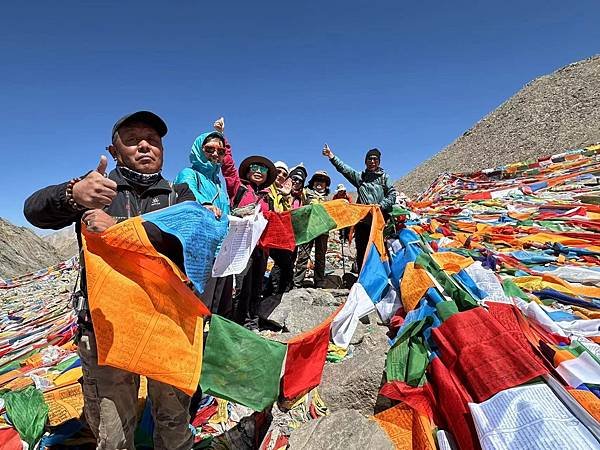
(147, 117)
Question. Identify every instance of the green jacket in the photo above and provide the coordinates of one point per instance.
(374, 188)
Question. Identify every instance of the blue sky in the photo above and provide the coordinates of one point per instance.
(407, 77)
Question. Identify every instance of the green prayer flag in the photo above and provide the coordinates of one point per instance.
(311, 221)
(464, 300)
(241, 366)
(408, 358)
(512, 290)
(446, 309)
(551, 225)
(28, 412)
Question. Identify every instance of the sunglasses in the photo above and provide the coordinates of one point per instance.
(208, 149)
(258, 168)
(372, 158)
(297, 179)
(282, 172)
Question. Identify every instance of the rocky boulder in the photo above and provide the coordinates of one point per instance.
(346, 429)
(354, 382)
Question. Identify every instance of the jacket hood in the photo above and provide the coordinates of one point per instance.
(199, 160)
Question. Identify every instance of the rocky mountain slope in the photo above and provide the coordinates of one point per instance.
(64, 241)
(22, 251)
(550, 114)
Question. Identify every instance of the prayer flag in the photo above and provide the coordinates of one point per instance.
(311, 221)
(305, 359)
(241, 366)
(158, 333)
(199, 232)
(279, 232)
(345, 322)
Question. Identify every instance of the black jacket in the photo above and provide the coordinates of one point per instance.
(48, 208)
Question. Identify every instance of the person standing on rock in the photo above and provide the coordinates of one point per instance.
(341, 194)
(134, 187)
(374, 188)
(282, 273)
(248, 188)
(316, 192)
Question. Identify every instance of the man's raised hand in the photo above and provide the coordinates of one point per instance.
(327, 151)
(95, 191)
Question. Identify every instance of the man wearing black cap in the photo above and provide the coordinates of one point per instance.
(134, 187)
(374, 188)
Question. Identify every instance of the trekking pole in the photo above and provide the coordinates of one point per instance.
(343, 257)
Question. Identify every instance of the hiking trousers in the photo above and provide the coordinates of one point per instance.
(110, 404)
(282, 273)
(362, 230)
(249, 286)
(320, 244)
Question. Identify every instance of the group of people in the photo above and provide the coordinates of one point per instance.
(98, 200)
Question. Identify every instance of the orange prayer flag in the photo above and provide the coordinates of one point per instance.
(588, 291)
(346, 214)
(64, 404)
(588, 400)
(376, 235)
(146, 320)
(413, 286)
(406, 428)
(452, 262)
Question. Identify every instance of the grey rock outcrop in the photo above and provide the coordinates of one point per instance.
(354, 382)
(552, 113)
(345, 429)
(296, 310)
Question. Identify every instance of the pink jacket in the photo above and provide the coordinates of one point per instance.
(234, 182)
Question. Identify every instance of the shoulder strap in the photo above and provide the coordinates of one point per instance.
(238, 196)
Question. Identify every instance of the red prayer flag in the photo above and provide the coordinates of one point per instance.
(418, 398)
(452, 410)
(10, 439)
(279, 232)
(305, 359)
(484, 355)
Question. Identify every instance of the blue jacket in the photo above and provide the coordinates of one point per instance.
(203, 177)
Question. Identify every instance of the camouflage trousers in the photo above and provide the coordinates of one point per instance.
(110, 405)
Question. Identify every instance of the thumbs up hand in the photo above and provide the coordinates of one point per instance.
(95, 191)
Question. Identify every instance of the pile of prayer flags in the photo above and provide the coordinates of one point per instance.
(498, 276)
